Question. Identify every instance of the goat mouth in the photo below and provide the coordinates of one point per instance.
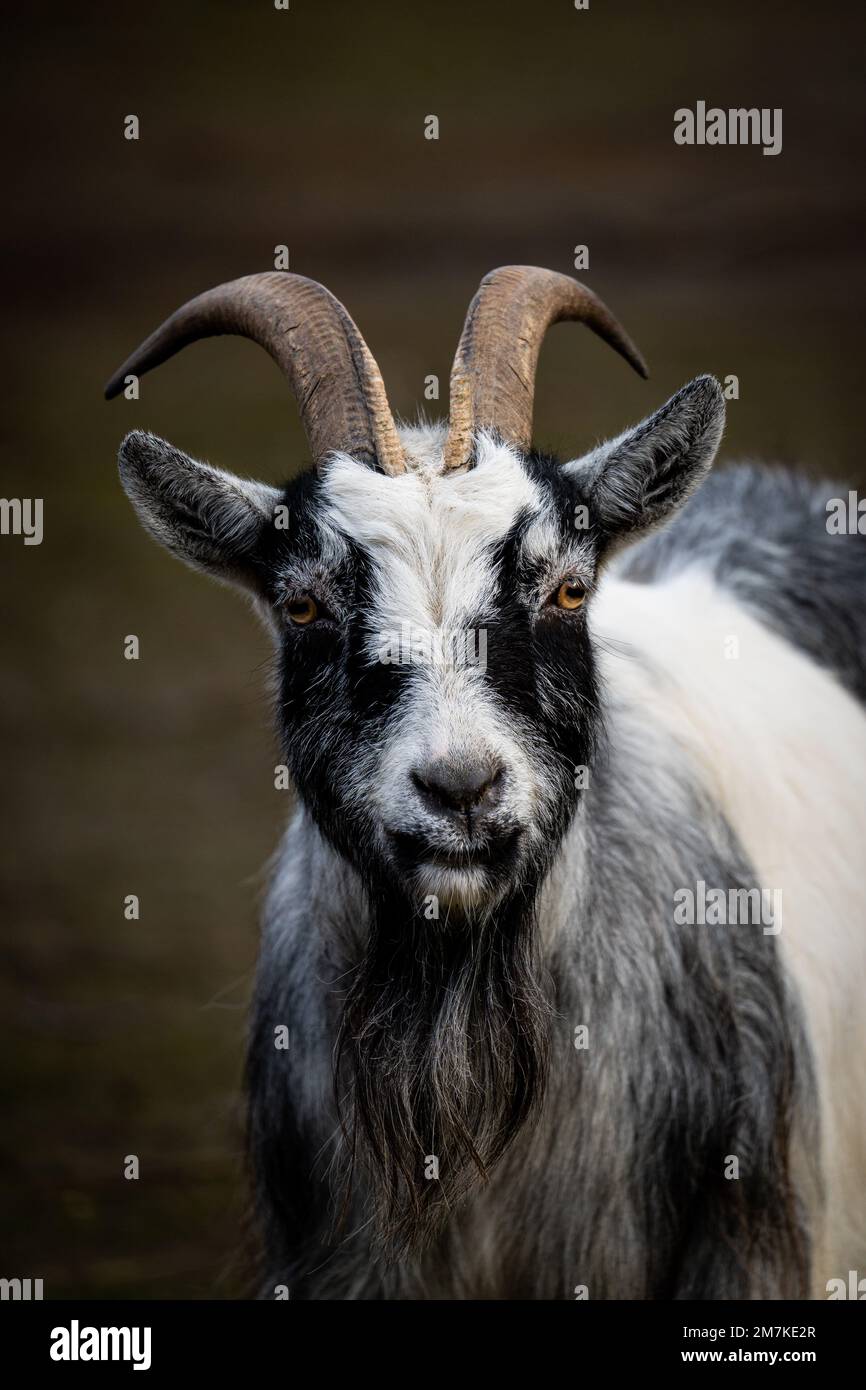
(485, 854)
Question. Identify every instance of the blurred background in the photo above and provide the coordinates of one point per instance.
(305, 127)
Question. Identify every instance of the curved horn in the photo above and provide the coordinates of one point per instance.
(316, 344)
(493, 377)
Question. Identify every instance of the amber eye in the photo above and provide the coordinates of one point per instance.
(302, 610)
(570, 594)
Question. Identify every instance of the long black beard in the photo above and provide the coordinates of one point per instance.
(442, 1054)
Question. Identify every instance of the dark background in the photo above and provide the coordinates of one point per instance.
(260, 127)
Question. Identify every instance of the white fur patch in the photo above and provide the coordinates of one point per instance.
(782, 747)
(431, 538)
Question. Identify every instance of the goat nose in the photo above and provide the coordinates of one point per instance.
(459, 786)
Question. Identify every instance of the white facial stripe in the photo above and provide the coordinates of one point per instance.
(431, 536)
(430, 539)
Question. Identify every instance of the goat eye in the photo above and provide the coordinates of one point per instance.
(302, 610)
(570, 594)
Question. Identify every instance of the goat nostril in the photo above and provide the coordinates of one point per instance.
(484, 792)
(458, 786)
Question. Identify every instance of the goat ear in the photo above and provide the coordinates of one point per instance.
(208, 518)
(634, 482)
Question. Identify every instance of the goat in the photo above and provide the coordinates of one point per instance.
(516, 1069)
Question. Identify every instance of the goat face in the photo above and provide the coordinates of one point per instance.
(437, 689)
(437, 695)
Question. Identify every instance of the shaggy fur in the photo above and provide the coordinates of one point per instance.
(511, 1073)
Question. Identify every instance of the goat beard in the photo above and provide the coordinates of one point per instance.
(442, 1055)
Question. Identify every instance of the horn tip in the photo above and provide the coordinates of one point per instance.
(113, 386)
(634, 357)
